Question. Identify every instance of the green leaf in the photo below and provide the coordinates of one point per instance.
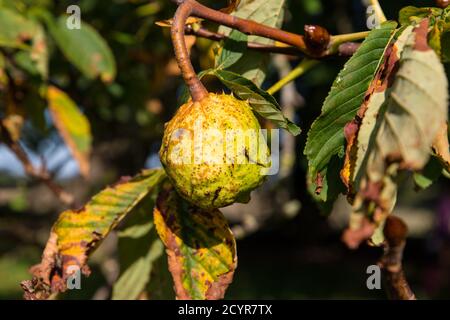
(72, 125)
(35, 59)
(327, 188)
(77, 233)
(138, 248)
(161, 285)
(18, 32)
(358, 136)
(326, 136)
(410, 14)
(233, 49)
(400, 125)
(445, 47)
(434, 38)
(253, 65)
(429, 174)
(85, 49)
(15, 30)
(260, 101)
(200, 246)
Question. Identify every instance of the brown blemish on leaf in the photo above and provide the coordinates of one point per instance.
(68, 247)
(441, 146)
(372, 191)
(217, 289)
(175, 268)
(421, 31)
(354, 237)
(319, 183)
(383, 79)
(203, 277)
(122, 180)
(43, 270)
(350, 133)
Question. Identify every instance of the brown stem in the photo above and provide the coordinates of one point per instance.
(41, 175)
(196, 88)
(395, 232)
(214, 36)
(345, 49)
(247, 26)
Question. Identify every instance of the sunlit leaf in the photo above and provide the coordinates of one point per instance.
(411, 14)
(441, 146)
(77, 233)
(326, 136)
(358, 137)
(253, 65)
(200, 246)
(400, 123)
(73, 126)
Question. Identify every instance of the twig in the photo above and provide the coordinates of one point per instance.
(302, 67)
(316, 42)
(207, 34)
(196, 88)
(338, 40)
(246, 26)
(378, 11)
(344, 49)
(395, 232)
(41, 175)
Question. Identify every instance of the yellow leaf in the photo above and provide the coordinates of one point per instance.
(72, 125)
(77, 233)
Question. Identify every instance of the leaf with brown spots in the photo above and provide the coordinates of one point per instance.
(72, 125)
(326, 137)
(200, 246)
(77, 233)
(15, 29)
(400, 121)
(441, 146)
(358, 139)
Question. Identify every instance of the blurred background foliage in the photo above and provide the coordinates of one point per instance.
(287, 248)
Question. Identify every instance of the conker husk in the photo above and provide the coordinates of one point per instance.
(208, 151)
